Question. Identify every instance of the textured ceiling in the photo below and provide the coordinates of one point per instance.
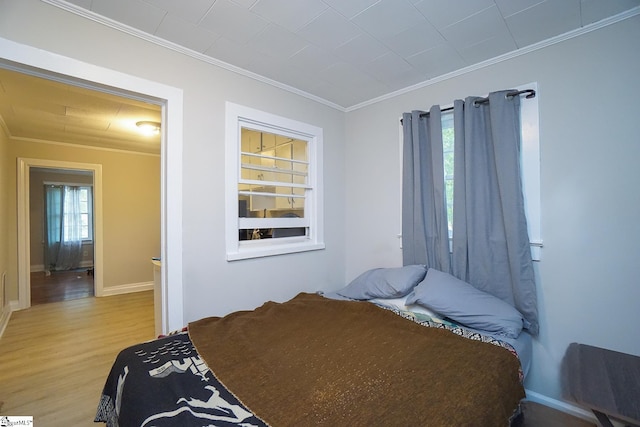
(35, 108)
(348, 52)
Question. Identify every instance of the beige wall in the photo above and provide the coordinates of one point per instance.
(131, 207)
(7, 228)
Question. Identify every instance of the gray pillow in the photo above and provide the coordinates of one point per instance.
(462, 303)
(384, 282)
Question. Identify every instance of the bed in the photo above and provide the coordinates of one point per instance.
(373, 353)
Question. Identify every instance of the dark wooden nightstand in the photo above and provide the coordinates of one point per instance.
(606, 381)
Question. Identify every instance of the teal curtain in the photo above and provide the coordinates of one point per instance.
(53, 224)
(63, 242)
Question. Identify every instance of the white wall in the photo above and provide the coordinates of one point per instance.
(590, 150)
(212, 286)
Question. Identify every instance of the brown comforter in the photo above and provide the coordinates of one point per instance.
(316, 361)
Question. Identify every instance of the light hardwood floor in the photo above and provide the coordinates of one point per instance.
(54, 358)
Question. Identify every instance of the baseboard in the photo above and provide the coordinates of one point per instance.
(560, 406)
(40, 267)
(5, 315)
(126, 289)
(36, 268)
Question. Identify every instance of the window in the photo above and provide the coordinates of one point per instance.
(447, 154)
(274, 184)
(75, 210)
(530, 164)
(74, 206)
(274, 179)
(86, 219)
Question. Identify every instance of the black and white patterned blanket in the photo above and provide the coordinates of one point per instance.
(165, 383)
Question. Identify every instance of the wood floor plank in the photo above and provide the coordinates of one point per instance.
(537, 415)
(54, 358)
(60, 286)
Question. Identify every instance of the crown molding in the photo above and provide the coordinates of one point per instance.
(505, 57)
(85, 13)
(131, 151)
(241, 71)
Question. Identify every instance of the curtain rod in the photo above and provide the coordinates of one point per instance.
(530, 93)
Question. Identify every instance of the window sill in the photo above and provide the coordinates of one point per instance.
(273, 249)
(536, 247)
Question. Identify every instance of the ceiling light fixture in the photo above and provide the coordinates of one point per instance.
(148, 127)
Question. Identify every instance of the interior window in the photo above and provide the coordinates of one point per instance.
(274, 179)
(274, 184)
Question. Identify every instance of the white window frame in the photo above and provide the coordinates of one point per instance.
(89, 212)
(237, 117)
(530, 164)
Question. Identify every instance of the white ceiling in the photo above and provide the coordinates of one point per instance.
(344, 53)
(348, 52)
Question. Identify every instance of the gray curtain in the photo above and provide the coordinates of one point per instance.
(490, 238)
(424, 216)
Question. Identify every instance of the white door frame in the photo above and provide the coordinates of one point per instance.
(40, 62)
(24, 221)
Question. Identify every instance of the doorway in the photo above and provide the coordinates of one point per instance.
(25, 58)
(62, 234)
(28, 223)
